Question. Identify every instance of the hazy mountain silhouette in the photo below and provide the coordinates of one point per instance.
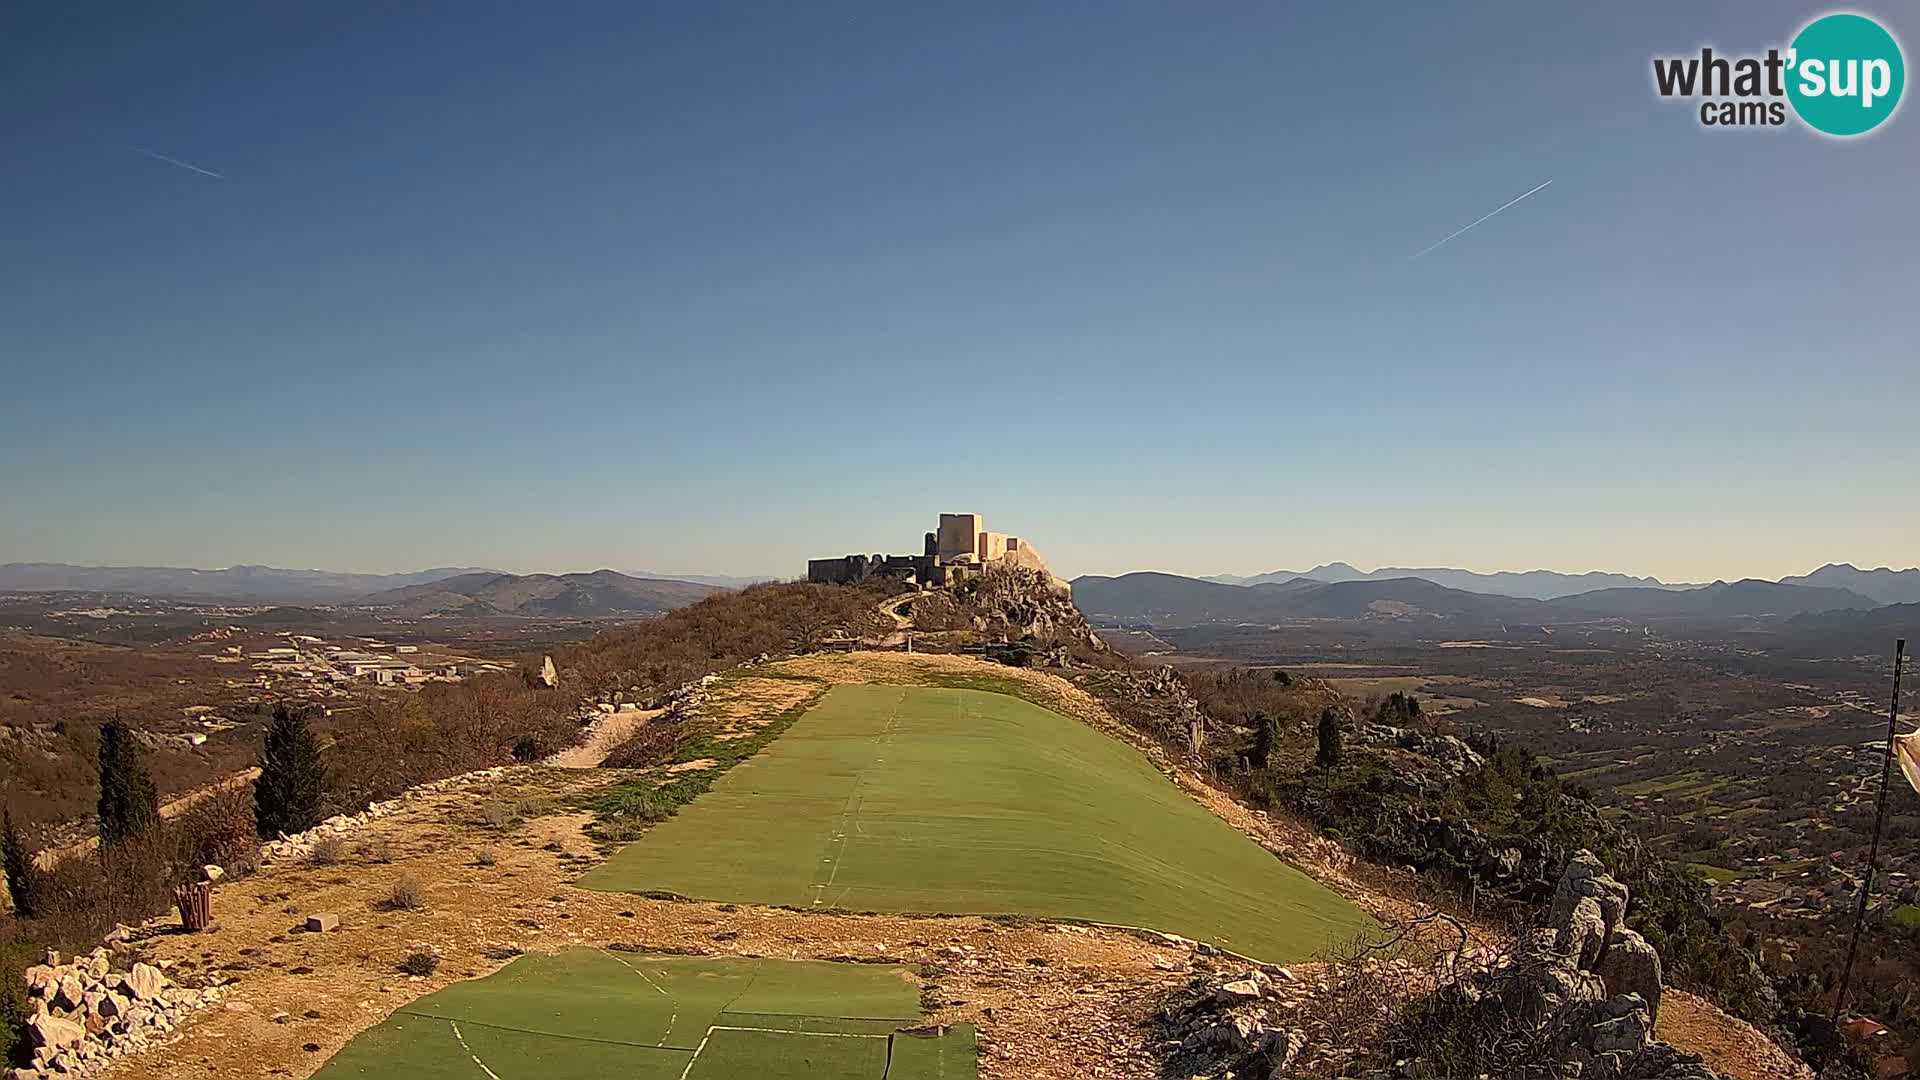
(1885, 585)
(258, 584)
(601, 593)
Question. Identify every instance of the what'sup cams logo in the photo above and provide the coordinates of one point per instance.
(1842, 76)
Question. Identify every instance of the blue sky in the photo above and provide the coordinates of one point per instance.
(719, 287)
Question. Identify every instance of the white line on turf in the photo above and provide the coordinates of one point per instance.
(671, 1020)
(770, 1031)
(476, 1057)
(851, 811)
(808, 1034)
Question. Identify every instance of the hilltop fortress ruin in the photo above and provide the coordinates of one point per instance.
(958, 549)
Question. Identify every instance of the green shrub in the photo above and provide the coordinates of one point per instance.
(626, 811)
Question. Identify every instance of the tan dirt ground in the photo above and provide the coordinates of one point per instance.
(1049, 1001)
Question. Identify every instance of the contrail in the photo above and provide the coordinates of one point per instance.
(1475, 222)
(176, 161)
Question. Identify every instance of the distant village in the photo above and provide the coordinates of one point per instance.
(310, 667)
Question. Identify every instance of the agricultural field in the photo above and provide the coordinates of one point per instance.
(932, 800)
(587, 1013)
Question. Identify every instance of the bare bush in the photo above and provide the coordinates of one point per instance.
(219, 830)
(420, 963)
(327, 851)
(496, 815)
(650, 745)
(722, 631)
(406, 894)
(1417, 993)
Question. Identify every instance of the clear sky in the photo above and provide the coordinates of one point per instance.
(718, 287)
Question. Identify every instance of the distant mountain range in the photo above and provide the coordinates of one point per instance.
(578, 596)
(1171, 600)
(272, 585)
(1719, 600)
(723, 581)
(1863, 632)
(1882, 586)
(1531, 584)
(256, 584)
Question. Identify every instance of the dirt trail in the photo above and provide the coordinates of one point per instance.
(609, 731)
(895, 608)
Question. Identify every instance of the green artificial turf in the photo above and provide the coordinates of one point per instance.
(588, 1013)
(780, 1055)
(955, 801)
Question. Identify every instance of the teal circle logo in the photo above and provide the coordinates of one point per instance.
(1845, 74)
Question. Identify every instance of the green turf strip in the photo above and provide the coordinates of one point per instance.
(947, 1056)
(652, 1000)
(418, 1048)
(789, 1022)
(587, 1013)
(917, 799)
(783, 1055)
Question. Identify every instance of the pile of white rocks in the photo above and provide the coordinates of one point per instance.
(1219, 1023)
(298, 846)
(85, 1014)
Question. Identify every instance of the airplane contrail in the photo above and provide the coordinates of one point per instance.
(1476, 221)
(176, 161)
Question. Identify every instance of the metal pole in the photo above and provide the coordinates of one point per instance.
(1873, 850)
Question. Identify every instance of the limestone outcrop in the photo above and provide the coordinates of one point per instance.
(1575, 997)
(1588, 984)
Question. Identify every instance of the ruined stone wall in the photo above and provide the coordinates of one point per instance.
(844, 570)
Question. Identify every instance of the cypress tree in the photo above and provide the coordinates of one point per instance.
(1263, 736)
(1329, 753)
(20, 871)
(129, 804)
(293, 779)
